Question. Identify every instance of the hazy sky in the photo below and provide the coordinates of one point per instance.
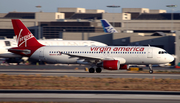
(52, 5)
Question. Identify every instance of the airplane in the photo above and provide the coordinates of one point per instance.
(108, 57)
(8, 57)
(107, 27)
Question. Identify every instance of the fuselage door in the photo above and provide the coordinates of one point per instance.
(41, 54)
(150, 53)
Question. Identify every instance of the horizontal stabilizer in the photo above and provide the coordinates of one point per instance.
(25, 51)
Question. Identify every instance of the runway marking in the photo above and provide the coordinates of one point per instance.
(102, 96)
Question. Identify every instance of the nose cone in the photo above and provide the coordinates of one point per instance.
(170, 58)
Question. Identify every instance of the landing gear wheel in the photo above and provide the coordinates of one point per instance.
(91, 70)
(151, 71)
(98, 70)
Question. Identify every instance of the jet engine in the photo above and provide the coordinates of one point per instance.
(111, 64)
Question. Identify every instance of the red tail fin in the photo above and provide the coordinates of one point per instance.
(23, 36)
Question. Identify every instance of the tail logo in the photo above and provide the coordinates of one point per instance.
(110, 29)
(23, 39)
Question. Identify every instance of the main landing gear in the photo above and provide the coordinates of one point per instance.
(92, 70)
(150, 69)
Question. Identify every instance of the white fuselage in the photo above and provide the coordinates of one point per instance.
(125, 54)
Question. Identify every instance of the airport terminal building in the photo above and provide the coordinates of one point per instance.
(135, 26)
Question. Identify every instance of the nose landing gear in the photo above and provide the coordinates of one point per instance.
(150, 69)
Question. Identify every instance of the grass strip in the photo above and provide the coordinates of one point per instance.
(86, 83)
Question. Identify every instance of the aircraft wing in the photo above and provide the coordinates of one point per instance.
(89, 58)
(97, 58)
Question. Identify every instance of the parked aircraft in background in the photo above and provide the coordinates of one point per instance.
(8, 43)
(5, 44)
(108, 28)
(108, 57)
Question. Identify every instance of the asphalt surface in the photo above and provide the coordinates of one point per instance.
(51, 70)
(87, 96)
(90, 96)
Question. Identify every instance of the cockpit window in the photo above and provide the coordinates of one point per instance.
(162, 52)
(7, 43)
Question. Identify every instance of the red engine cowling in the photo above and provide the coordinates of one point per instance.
(111, 64)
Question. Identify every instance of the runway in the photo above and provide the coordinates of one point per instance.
(86, 96)
(90, 96)
(82, 73)
(70, 71)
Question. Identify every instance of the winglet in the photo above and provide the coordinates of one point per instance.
(108, 28)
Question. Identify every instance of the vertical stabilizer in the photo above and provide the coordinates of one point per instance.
(23, 36)
(27, 43)
(108, 28)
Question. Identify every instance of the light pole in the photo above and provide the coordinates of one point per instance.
(39, 27)
(113, 6)
(171, 6)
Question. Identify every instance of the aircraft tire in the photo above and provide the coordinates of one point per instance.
(91, 70)
(98, 70)
(151, 71)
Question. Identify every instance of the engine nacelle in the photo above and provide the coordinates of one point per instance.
(111, 64)
(124, 66)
